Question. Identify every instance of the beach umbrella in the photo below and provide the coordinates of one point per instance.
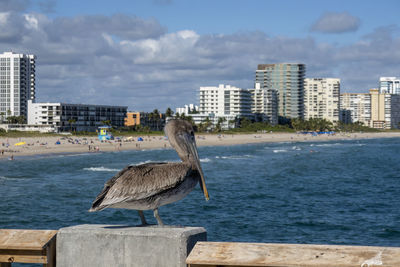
(20, 144)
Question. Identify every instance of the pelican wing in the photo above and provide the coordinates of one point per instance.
(141, 181)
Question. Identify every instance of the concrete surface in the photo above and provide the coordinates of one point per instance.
(112, 245)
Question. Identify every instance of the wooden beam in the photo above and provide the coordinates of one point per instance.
(27, 246)
(285, 255)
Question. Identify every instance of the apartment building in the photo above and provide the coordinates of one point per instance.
(79, 117)
(187, 109)
(226, 100)
(355, 107)
(389, 85)
(17, 83)
(288, 80)
(322, 98)
(265, 104)
(385, 110)
(373, 109)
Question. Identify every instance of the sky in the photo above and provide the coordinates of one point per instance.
(157, 53)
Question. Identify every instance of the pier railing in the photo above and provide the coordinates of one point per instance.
(212, 254)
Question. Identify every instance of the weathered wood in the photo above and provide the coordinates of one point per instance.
(5, 264)
(206, 254)
(27, 246)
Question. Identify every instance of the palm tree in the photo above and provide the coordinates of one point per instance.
(71, 121)
(169, 113)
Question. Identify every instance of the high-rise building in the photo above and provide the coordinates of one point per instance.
(355, 107)
(389, 85)
(265, 104)
(17, 83)
(228, 101)
(288, 80)
(322, 98)
(385, 110)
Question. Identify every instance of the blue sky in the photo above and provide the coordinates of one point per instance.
(155, 54)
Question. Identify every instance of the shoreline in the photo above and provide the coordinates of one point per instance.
(46, 146)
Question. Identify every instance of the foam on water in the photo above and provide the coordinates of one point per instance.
(100, 169)
(328, 145)
(234, 157)
(280, 150)
(205, 160)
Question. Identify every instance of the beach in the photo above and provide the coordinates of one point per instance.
(78, 144)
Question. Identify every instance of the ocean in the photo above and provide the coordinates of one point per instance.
(338, 192)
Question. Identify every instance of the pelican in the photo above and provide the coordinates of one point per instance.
(152, 185)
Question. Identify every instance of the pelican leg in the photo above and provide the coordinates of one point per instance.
(142, 218)
(159, 221)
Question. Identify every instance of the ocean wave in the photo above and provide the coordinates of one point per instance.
(280, 150)
(234, 157)
(328, 145)
(205, 160)
(101, 169)
(296, 148)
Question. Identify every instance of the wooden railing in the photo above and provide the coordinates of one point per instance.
(27, 246)
(207, 254)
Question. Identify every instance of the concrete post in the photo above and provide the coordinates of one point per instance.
(111, 245)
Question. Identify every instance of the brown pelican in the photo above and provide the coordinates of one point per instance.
(152, 185)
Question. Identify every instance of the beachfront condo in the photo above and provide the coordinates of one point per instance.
(75, 117)
(265, 104)
(373, 109)
(322, 98)
(17, 83)
(288, 80)
(389, 85)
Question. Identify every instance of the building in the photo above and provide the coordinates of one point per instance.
(17, 83)
(265, 104)
(322, 98)
(78, 117)
(385, 110)
(389, 85)
(132, 119)
(288, 80)
(226, 101)
(145, 119)
(188, 109)
(355, 107)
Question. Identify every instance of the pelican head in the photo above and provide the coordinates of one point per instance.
(181, 137)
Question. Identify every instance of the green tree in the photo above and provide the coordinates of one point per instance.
(218, 127)
(71, 121)
(169, 113)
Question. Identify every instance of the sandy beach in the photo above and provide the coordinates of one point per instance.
(74, 144)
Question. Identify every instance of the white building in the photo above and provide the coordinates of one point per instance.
(66, 117)
(225, 101)
(389, 85)
(355, 107)
(17, 83)
(322, 98)
(265, 104)
(187, 109)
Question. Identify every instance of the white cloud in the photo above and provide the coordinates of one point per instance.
(126, 60)
(336, 23)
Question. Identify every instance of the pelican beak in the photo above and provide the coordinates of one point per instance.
(193, 150)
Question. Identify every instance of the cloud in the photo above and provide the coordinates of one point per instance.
(336, 23)
(127, 60)
(14, 5)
